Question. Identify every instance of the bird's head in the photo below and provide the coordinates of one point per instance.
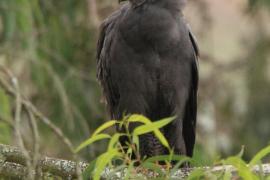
(135, 3)
(176, 3)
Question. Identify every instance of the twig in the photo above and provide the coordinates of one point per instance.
(33, 114)
(28, 105)
(17, 118)
(34, 128)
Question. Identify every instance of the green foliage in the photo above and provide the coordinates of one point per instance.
(50, 46)
(116, 159)
(153, 127)
(92, 140)
(260, 155)
(243, 170)
(116, 152)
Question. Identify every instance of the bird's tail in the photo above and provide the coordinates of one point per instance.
(150, 146)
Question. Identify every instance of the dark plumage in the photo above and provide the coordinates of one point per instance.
(147, 64)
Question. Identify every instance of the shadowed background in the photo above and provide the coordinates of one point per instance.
(50, 46)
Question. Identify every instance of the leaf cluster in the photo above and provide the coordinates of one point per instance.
(118, 161)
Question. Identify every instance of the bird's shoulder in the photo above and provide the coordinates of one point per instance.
(108, 26)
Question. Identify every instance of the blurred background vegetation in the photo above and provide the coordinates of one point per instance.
(50, 46)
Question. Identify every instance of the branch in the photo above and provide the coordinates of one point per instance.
(11, 87)
(13, 164)
(10, 90)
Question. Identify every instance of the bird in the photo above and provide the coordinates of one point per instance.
(147, 63)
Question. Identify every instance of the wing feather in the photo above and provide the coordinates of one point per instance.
(189, 129)
(104, 45)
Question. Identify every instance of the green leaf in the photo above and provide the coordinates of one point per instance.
(196, 174)
(129, 171)
(259, 156)
(129, 151)
(114, 140)
(243, 170)
(102, 162)
(179, 163)
(105, 126)
(154, 127)
(227, 175)
(92, 140)
(135, 140)
(89, 170)
(241, 153)
(162, 139)
(139, 118)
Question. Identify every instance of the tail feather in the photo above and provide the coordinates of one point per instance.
(151, 146)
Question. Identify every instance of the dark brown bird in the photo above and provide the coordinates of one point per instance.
(147, 64)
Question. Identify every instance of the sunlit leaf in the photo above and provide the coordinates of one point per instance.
(104, 126)
(139, 118)
(114, 140)
(153, 127)
(241, 153)
(161, 138)
(242, 168)
(179, 163)
(102, 162)
(259, 156)
(92, 140)
(136, 141)
(88, 172)
(129, 171)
